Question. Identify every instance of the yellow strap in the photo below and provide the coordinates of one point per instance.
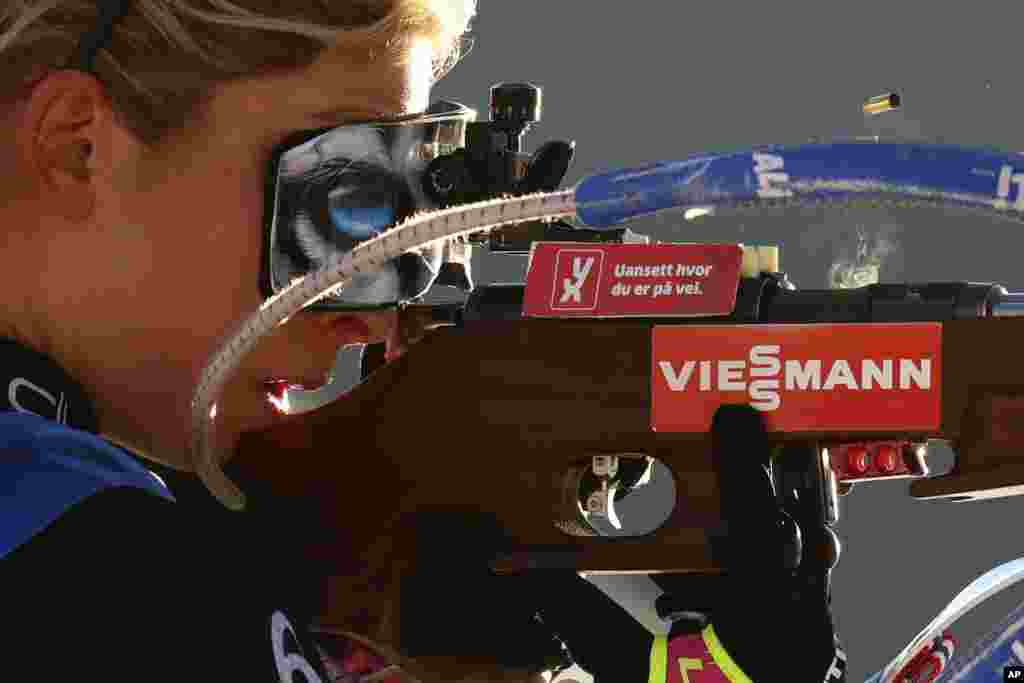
(725, 663)
(659, 658)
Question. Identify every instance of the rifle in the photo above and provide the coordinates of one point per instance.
(555, 414)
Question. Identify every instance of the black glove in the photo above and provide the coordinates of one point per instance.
(778, 554)
(455, 605)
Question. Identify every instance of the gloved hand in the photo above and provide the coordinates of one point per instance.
(778, 553)
(770, 610)
(454, 605)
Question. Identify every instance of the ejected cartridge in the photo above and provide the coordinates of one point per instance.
(882, 103)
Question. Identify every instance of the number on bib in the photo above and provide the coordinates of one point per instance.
(686, 664)
(289, 663)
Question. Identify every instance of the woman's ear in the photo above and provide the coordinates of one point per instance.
(64, 137)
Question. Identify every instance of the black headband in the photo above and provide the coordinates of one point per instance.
(109, 13)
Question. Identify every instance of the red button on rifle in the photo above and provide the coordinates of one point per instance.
(857, 459)
(885, 459)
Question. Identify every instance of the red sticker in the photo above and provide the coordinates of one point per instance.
(804, 378)
(567, 280)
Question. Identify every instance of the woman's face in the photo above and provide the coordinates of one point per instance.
(153, 256)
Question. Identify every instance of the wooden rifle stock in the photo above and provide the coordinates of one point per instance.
(491, 415)
(982, 411)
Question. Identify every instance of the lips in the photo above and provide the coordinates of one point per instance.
(341, 331)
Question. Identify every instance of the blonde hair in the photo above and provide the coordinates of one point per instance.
(165, 57)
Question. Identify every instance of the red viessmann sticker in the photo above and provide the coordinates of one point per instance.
(821, 377)
(631, 280)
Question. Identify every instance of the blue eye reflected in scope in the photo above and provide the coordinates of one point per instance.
(361, 223)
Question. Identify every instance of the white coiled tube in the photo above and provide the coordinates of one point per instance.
(366, 257)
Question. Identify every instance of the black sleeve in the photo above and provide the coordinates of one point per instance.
(128, 587)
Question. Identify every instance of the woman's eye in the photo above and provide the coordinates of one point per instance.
(362, 204)
(361, 223)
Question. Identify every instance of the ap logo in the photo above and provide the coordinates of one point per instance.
(577, 278)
